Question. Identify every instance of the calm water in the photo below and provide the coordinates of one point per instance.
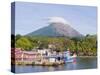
(81, 63)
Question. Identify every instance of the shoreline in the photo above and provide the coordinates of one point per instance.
(86, 56)
(49, 64)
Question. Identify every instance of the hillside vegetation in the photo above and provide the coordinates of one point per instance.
(86, 46)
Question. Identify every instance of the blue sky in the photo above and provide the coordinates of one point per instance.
(32, 16)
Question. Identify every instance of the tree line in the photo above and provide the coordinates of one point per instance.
(85, 46)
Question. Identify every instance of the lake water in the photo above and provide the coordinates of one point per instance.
(81, 63)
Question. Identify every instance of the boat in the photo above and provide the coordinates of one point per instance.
(68, 57)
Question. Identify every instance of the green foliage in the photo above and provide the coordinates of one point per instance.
(24, 43)
(86, 45)
(18, 36)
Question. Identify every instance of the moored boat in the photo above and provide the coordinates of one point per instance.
(68, 57)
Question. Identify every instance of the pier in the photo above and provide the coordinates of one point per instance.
(39, 57)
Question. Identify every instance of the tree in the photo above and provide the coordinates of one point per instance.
(24, 43)
(18, 36)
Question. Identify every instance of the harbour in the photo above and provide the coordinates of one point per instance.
(81, 63)
(44, 57)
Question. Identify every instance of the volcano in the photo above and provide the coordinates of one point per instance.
(56, 28)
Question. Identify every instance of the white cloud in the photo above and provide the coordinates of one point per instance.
(57, 20)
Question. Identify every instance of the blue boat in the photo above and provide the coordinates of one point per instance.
(68, 57)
